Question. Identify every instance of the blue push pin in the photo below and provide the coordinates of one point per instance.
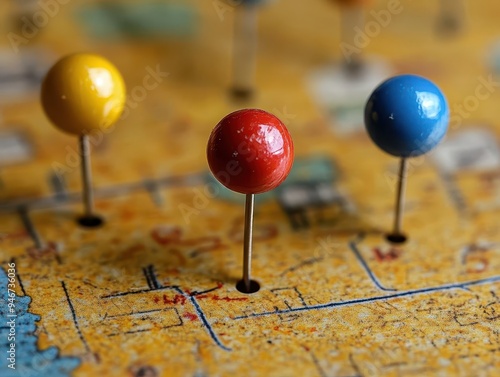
(406, 116)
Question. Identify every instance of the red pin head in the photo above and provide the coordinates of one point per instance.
(250, 151)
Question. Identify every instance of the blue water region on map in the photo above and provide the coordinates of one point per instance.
(28, 360)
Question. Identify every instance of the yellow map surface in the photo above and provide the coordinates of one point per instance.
(152, 292)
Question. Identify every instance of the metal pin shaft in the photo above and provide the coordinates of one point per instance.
(245, 47)
(452, 11)
(351, 19)
(247, 241)
(398, 218)
(88, 195)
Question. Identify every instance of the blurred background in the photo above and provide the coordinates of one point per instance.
(187, 64)
(301, 48)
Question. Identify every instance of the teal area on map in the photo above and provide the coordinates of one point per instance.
(312, 170)
(138, 20)
(29, 360)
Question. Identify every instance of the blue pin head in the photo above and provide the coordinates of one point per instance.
(407, 116)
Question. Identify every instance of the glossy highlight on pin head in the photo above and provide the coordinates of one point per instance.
(250, 151)
(407, 116)
(83, 93)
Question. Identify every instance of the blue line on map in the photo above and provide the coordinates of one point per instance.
(203, 318)
(370, 273)
(412, 292)
(151, 278)
(207, 325)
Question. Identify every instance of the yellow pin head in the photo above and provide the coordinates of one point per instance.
(83, 93)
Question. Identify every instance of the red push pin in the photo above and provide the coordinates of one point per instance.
(250, 151)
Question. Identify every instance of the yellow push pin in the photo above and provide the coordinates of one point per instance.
(84, 93)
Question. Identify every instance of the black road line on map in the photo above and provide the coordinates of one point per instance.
(455, 318)
(148, 278)
(304, 263)
(20, 283)
(399, 294)
(136, 313)
(454, 192)
(367, 268)
(160, 288)
(30, 227)
(56, 182)
(181, 322)
(121, 294)
(154, 192)
(355, 366)
(318, 366)
(13, 260)
(75, 319)
(6, 79)
(300, 296)
(103, 192)
(295, 289)
(152, 277)
(136, 331)
(129, 332)
(199, 311)
(197, 293)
